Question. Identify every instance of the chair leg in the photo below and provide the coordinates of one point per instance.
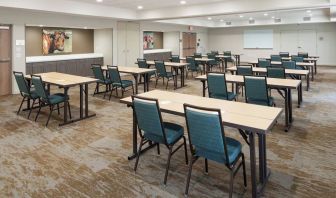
(122, 92)
(38, 112)
(96, 89)
(189, 176)
(244, 170)
(58, 109)
(111, 94)
(168, 164)
(206, 166)
(31, 108)
(156, 82)
(185, 150)
(23, 99)
(69, 110)
(158, 149)
(138, 155)
(231, 183)
(105, 91)
(167, 84)
(51, 110)
(133, 89)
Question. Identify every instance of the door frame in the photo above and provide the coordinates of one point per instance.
(10, 28)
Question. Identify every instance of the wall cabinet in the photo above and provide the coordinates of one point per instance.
(79, 67)
(128, 43)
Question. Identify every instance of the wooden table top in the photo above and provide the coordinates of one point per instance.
(131, 70)
(199, 59)
(290, 58)
(280, 63)
(218, 56)
(245, 116)
(64, 80)
(171, 64)
(271, 82)
(303, 72)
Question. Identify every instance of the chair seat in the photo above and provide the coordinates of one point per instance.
(124, 83)
(230, 96)
(33, 94)
(173, 132)
(262, 102)
(168, 75)
(106, 82)
(57, 98)
(233, 148)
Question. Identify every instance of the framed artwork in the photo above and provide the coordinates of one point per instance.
(148, 40)
(55, 41)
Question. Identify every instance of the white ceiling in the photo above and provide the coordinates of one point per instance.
(150, 4)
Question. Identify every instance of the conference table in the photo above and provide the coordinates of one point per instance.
(223, 59)
(250, 120)
(308, 65)
(66, 81)
(135, 72)
(236, 56)
(312, 59)
(175, 67)
(281, 84)
(204, 62)
(261, 70)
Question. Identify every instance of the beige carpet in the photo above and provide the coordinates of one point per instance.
(89, 158)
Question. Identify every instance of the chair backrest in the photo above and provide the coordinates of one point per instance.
(175, 58)
(244, 70)
(205, 130)
(227, 53)
(276, 72)
(22, 83)
(264, 63)
(114, 74)
(284, 54)
(214, 52)
(39, 87)
(160, 68)
(213, 57)
(149, 118)
(142, 63)
(197, 55)
(303, 54)
(217, 84)
(276, 58)
(98, 72)
(256, 89)
(297, 59)
(192, 62)
(289, 64)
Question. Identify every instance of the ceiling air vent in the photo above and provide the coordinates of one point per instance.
(277, 20)
(306, 18)
(228, 23)
(251, 21)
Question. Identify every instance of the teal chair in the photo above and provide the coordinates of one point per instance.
(217, 87)
(27, 92)
(142, 63)
(297, 59)
(276, 72)
(244, 70)
(256, 91)
(47, 99)
(153, 130)
(228, 53)
(161, 72)
(214, 62)
(284, 54)
(175, 58)
(214, 52)
(276, 58)
(303, 54)
(289, 64)
(193, 66)
(102, 80)
(264, 63)
(115, 78)
(207, 140)
(197, 55)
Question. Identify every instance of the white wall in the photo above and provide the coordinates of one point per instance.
(171, 40)
(103, 43)
(201, 32)
(233, 39)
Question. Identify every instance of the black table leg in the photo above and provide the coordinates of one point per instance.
(308, 80)
(81, 106)
(175, 79)
(253, 164)
(65, 108)
(86, 100)
(225, 66)
(135, 76)
(286, 110)
(290, 106)
(299, 95)
(203, 83)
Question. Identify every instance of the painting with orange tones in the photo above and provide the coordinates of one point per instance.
(56, 41)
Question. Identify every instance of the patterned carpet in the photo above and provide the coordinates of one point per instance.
(89, 158)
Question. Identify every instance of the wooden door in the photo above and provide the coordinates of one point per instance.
(5, 61)
(132, 43)
(189, 43)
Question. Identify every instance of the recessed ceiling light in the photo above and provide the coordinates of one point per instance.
(140, 7)
(273, 17)
(209, 18)
(41, 25)
(308, 11)
(85, 27)
(221, 20)
(99, 1)
(265, 14)
(183, 2)
(241, 16)
(251, 18)
(311, 14)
